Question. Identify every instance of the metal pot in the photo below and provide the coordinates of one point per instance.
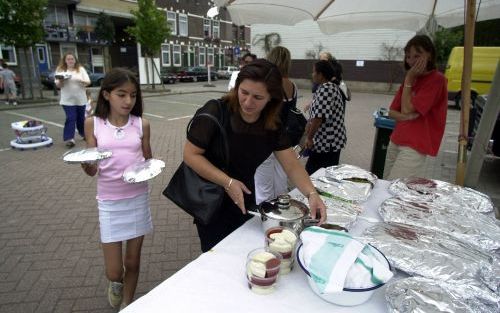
(287, 212)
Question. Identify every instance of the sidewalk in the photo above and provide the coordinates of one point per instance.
(51, 97)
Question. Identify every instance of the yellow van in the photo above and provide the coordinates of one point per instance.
(484, 64)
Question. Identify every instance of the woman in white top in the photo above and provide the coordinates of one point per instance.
(72, 78)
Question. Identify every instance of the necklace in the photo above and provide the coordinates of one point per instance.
(119, 132)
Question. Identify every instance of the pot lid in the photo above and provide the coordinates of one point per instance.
(284, 208)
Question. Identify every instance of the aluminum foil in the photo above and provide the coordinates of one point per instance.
(339, 213)
(342, 190)
(86, 155)
(350, 172)
(475, 228)
(143, 171)
(443, 193)
(418, 294)
(423, 252)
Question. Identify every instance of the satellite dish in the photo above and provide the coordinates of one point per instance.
(212, 12)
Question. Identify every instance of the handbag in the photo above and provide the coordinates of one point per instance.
(295, 125)
(197, 196)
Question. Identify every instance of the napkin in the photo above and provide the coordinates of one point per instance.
(336, 261)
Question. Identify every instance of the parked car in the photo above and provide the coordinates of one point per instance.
(226, 71)
(47, 79)
(169, 77)
(194, 74)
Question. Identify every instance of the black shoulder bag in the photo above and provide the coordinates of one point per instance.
(197, 196)
(295, 123)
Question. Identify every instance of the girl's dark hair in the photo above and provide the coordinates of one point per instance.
(337, 71)
(114, 79)
(325, 68)
(266, 72)
(422, 42)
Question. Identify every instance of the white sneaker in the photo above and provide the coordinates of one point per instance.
(14, 103)
(115, 293)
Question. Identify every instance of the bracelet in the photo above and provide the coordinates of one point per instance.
(229, 183)
(408, 86)
(310, 194)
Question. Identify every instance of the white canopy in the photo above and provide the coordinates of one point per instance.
(334, 16)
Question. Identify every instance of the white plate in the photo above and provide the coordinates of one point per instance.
(86, 155)
(143, 171)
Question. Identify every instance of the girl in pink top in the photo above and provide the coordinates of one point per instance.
(124, 213)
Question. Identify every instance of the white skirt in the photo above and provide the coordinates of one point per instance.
(124, 219)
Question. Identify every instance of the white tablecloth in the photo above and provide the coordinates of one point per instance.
(216, 281)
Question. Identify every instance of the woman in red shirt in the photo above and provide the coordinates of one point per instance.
(419, 108)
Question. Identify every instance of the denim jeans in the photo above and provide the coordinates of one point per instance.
(75, 115)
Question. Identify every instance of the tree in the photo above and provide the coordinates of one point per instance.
(22, 27)
(268, 41)
(444, 41)
(105, 31)
(315, 51)
(150, 30)
(392, 52)
(104, 28)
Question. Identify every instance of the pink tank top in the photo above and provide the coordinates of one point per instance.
(126, 144)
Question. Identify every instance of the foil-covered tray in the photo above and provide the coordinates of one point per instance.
(418, 294)
(430, 254)
(343, 190)
(351, 173)
(86, 155)
(143, 171)
(449, 195)
(338, 212)
(62, 75)
(474, 228)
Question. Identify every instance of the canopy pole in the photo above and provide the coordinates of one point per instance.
(470, 18)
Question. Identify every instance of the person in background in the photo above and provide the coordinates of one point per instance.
(254, 132)
(74, 79)
(7, 79)
(270, 178)
(419, 108)
(325, 132)
(245, 59)
(124, 213)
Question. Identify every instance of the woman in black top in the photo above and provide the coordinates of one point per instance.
(254, 132)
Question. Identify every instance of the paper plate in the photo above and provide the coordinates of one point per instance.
(86, 155)
(143, 171)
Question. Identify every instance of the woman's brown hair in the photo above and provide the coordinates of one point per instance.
(266, 72)
(422, 42)
(62, 66)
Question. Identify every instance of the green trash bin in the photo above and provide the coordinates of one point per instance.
(384, 126)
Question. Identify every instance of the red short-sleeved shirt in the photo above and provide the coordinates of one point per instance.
(430, 99)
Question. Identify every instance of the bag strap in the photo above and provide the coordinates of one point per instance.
(222, 130)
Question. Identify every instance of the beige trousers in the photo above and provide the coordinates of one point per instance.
(402, 162)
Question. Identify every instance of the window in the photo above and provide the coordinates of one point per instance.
(210, 56)
(183, 25)
(8, 53)
(80, 19)
(206, 28)
(177, 55)
(201, 56)
(172, 22)
(50, 15)
(165, 55)
(216, 29)
(62, 15)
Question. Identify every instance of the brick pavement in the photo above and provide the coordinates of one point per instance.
(50, 259)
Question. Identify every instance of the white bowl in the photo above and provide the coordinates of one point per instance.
(347, 297)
